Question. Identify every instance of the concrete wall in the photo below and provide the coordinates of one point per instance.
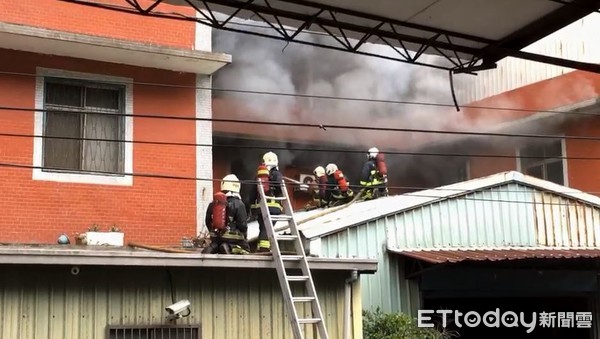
(152, 210)
(50, 302)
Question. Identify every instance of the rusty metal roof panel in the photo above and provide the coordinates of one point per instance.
(438, 256)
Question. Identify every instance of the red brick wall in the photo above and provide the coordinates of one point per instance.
(63, 16)
(153, 210)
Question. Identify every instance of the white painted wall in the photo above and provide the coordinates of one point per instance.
(204, 158)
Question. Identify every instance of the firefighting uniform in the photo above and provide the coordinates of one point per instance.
(273, 188)
(338, 190)
(319, 195)
(233, 239)
(374, 177)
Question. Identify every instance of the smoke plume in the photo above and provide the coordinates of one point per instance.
(267, 65)
(300, 71)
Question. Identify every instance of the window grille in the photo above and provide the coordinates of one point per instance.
(155, 332)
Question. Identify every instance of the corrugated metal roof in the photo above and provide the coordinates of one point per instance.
(438, 256)
(362, 212)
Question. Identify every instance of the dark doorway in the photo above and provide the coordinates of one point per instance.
(557, 307)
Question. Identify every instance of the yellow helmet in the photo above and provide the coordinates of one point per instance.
(231, 183)
(270, 159)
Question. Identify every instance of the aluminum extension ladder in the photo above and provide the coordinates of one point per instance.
(285, 279)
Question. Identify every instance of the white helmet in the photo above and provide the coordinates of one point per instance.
(231, 183)
(373, 151)
(331, 168)
(319, 171)
(270, 160)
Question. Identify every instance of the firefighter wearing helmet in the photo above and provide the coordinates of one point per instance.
(226, 220)
(269, 176)
(374, 175)
(338, 188)
(319, 193)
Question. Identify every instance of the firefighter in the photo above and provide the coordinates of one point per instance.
(338, 188)
(319, 193)
(226, 219)
(270, 178)
(374, 175)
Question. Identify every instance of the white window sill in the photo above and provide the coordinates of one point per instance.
(83, 178)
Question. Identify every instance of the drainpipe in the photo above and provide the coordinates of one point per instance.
(348, 303)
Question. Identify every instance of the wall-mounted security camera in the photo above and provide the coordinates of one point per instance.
(175, 310)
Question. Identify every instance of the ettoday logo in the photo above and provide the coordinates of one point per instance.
(496, 318)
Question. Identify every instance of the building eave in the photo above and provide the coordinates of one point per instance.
(77, 256)
(52, 42)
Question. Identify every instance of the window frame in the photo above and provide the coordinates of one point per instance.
(462, 165)
(544, 162)
(89, 80)
(83, 84)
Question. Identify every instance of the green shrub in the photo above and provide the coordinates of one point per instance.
(379, 325)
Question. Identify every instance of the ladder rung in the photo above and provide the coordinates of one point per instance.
(282, 217)
(287, 237)
(276, 198)
(291, 257)
(297, 277)
(309, 321)
(302, 299)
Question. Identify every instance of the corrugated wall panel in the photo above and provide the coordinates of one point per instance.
(49, 302)
(500, 216)
(564, 222)
(577, 41)
(509, 215)
(369, 241)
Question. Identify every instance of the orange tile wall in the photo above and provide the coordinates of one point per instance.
(76, 18)
(584, 174)
(568, 89)
(153, 210)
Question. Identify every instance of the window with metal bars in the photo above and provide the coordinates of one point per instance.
(75, 138)
(154, 332)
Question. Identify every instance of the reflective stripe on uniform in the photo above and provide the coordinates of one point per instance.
(264, 244)
(270, 203)
(237, 249)
(232, 236)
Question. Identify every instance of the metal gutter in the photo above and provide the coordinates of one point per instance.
(109, 257)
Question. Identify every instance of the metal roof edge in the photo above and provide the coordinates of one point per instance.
(39, 256)
(494, 248)
(491, 181)
(494, 254)
(557, 189)
(460, 189)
